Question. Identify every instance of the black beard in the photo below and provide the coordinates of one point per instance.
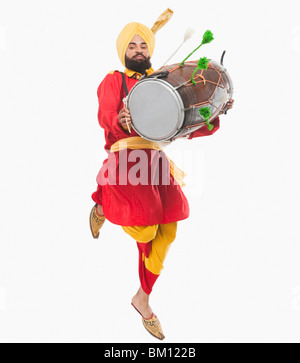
(139, 66)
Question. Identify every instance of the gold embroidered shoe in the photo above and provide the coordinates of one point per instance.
(152, 325)
(96, 222)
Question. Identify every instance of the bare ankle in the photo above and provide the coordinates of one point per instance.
(142, 294)
(142, 297)
(141, 302)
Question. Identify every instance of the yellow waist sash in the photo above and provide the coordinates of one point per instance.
(137, 142)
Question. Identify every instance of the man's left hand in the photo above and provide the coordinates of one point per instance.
(229, 104)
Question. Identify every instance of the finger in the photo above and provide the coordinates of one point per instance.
(127, 112)
(124, 117)
(124, 112)
(125, 120)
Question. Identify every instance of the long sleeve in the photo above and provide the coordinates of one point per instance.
(204, 131)
(109, 97)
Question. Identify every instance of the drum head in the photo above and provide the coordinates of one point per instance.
(156, 109)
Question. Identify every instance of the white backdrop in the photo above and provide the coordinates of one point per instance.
(232, 275)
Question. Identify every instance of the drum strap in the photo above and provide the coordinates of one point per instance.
(124, 84)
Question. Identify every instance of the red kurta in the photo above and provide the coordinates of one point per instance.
(135, 205)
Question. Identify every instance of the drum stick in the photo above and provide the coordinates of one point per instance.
(125, 105)
(188, 34)
(127, 124)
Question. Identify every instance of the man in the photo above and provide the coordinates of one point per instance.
(148, 212)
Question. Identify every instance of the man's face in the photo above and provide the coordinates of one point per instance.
(137, 49)
(137, 57)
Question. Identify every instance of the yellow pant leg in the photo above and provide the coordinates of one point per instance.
(142, 234)
(165, 235)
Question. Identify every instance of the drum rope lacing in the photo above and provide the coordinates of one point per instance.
(220, 83)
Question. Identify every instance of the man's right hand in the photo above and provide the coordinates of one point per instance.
(124, 116)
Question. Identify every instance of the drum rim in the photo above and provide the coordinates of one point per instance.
(177, 97)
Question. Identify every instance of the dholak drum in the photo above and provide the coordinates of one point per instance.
(166, 104)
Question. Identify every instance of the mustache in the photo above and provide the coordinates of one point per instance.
(139, 54)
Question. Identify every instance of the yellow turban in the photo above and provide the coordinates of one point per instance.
(131, 29)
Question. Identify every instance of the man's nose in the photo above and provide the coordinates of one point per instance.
(140, 50)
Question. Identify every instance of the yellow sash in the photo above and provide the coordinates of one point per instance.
(137, 142)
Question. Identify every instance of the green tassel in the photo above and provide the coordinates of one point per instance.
(205, 113)
(202, 63)
(192, 77)
(210, 127)
(207, 38)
